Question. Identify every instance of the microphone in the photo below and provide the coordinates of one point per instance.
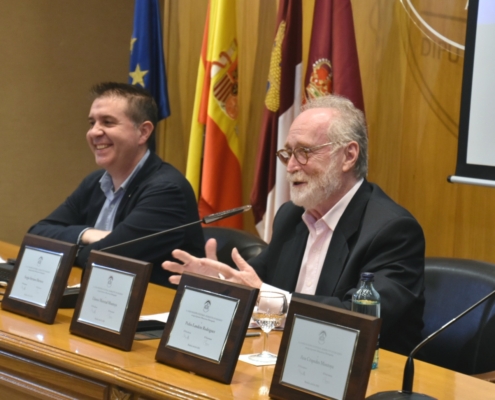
(70, 295)
(206, 220)
(407, 382)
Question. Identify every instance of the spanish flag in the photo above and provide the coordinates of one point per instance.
(213, 164)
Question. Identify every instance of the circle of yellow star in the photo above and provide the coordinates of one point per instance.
(138, 76)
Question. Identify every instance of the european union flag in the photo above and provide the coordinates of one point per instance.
(147, 67)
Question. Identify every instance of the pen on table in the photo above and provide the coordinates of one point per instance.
(252, 334)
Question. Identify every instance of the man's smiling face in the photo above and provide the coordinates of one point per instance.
(114, 139)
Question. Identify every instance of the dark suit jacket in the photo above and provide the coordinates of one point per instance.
(374, 234)
(158, 198)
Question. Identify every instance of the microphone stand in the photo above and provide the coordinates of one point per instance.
(70, 295)
(206, 220)
(407, 383)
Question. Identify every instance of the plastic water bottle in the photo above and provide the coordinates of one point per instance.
(367, 301)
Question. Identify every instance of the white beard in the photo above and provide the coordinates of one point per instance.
(319, 187)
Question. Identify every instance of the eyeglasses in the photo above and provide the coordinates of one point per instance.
(300, 153)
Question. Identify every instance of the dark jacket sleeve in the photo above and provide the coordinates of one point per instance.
(75, 214)
(374, 235)
(156, 200)
(157, 206)
(395, 254)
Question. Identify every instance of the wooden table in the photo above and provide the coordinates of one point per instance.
(45, 362)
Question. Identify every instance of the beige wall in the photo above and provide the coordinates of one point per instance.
(412, 88)
(52, 51)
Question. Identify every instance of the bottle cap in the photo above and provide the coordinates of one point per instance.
(368, 276)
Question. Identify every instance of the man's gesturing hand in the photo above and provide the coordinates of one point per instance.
(209, 266)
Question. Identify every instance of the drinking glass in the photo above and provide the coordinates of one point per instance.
(269, 312)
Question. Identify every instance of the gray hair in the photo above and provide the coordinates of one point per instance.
(349, 125)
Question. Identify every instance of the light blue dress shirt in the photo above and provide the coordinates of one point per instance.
(107, 214)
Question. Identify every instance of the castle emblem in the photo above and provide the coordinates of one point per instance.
(320, 82)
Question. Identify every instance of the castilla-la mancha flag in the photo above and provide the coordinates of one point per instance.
(282, 104)
(333, 65)
(213, 164)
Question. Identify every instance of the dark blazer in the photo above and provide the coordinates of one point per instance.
(374, 234)
(158, 198)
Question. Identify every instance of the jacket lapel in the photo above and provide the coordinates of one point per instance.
(291, 258)
(338, 250)
(150, 165)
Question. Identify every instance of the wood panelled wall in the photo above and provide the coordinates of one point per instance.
(411, 83)
(51, 53)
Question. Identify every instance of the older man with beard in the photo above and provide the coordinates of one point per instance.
(336, 226)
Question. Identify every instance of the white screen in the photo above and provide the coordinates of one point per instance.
(481, 141)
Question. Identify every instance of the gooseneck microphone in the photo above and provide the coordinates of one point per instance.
(70, 296)
(407, 382)
(206, 220)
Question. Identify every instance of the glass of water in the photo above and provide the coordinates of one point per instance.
(269, 312)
